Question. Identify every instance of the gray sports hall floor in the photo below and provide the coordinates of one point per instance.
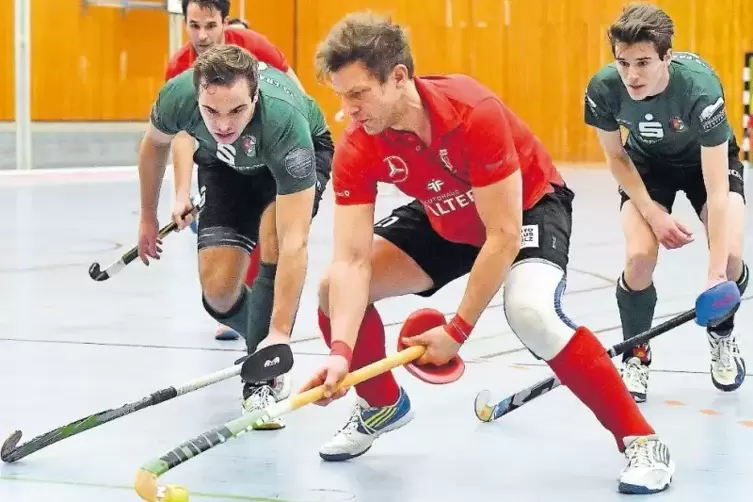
(70, 346)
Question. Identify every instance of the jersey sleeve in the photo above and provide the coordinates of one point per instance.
(171, 70)
(597, 112)
(173, 110)
(354, 179)
(290, 156)
(262, 49)
(491, 151)
(708, 117)
(178, 63)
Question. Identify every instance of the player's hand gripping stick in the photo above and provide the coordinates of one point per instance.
(146, 478)
(95, 269)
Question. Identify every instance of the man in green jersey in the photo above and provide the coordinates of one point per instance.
(679, 139)
(259, 142)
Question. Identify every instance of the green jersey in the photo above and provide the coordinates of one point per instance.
(671, 126)
(279, 136)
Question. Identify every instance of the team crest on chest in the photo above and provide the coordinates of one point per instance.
(445, 158)
(677, 124)
(248, 145)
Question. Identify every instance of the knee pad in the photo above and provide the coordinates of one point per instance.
(532, 301)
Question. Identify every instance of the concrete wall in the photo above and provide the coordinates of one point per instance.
(56, 145)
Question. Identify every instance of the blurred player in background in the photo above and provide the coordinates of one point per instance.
(237, 22)
(207, 24)
(679, 139)
(488, 203)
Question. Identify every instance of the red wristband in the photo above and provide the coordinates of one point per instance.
(340, 348)
(459, 329)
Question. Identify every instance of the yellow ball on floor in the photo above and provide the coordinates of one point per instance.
(175, 493)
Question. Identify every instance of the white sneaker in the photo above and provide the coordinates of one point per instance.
(650, 466)
(364, 426)
(635, 376)
(259, 396)
(727, 364)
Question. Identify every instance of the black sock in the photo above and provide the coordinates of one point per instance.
(252, 313)
(636, 313)
(725, 328)
(261, 300)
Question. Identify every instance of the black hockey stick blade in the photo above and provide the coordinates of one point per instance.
(267, 363)
(487, 411)
(95, 269)
(12, 451)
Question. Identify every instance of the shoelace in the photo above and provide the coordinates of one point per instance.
(260, 397)
(640, 454)
(354, 421)
(635, 376)
(726, 352)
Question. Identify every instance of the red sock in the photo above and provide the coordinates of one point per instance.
(253, 267)
(585, 368)
(382, 390)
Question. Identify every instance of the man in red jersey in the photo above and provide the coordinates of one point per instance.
(488, 202)
(207, 24)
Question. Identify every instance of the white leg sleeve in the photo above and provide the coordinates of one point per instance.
(532, 295)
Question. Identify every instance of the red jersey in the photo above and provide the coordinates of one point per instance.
(256, 43)
(476, 141)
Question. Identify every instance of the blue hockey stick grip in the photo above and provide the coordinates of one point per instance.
(716, 304)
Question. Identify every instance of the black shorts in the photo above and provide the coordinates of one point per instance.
(546, 231)
(233, 203)
(663, 182)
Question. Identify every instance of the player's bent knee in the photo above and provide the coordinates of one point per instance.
(221, 272)
(640, 265)
(532, 300)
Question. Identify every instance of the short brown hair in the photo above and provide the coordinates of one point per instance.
(364, 37)
(221, 6)
(643, 23)
(223, 64)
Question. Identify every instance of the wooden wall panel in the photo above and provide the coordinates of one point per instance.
(105, 64)
(538, 55)
(276, 21)
(545, 86)
(7, 78)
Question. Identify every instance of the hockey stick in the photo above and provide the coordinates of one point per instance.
(11, 451)
(487, 411)
(146, 478)
(95, 271)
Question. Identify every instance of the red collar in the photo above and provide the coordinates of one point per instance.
(444, 117)
(442, 114)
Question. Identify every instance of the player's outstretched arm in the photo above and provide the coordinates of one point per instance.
(182, 148)
(350, 271)
(709, 121)
(499, 206)
(293, 225)
(153, 155)
(715, 166)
